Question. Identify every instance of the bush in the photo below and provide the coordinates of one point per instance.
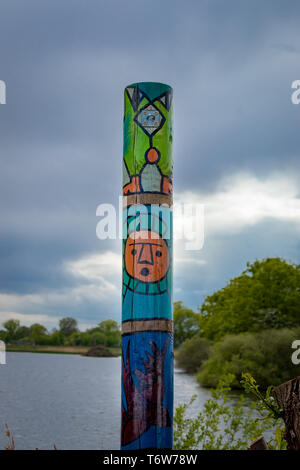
(265, 355)
(99, 351)
(223, 425)
(97, 338)
(192, 353)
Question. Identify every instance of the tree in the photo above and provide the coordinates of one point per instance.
(111, 331)
(37, 333)
(108, 326)
(97, 338)
(23, 332)
(3, 335)
(266, 295)
(56, 338)
(67, 326)
(186, 323)
(85, 339)
(11, 327)
(74, 339)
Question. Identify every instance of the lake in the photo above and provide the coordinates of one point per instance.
(70, 400)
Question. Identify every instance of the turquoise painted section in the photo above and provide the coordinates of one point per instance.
(147, 299)
(138, 306)
(152, 89)
(145, 217)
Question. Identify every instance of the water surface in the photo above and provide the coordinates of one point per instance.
(70, 400)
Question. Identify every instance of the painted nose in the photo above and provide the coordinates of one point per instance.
(146, 256)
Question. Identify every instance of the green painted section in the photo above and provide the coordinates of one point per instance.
(136, 141)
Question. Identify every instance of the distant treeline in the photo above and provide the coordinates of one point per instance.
(106, 333)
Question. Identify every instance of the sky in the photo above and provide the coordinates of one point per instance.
(236, 142)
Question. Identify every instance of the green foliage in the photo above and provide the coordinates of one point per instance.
(55, 339)
(107, 333)
(11, 327)
(97, 338)
(67, 326)
(265, 355)
(75, 339)
(192, 353)
(267, 407)
(108, 326)
(23, 332)
(85, 338)
(265, 401)
(186, 323)
(266, 295)
(3, 335)
(37, 332)
(13, 331)
(111, 330)
(222, 425)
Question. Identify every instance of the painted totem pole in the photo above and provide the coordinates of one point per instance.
(147, 326)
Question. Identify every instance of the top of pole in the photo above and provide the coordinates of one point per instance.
(151, 89)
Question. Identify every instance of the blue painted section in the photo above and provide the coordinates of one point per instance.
(147, 391)
(155, 437)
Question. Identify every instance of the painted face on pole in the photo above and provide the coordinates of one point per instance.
(146, 256)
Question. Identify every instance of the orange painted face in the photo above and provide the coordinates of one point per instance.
(146, 256)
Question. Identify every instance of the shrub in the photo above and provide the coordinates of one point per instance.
(265, 355)
(99, 351)
(97, 338)
(192, 353)
(221, 425)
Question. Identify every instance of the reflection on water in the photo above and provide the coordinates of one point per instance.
(69, 400)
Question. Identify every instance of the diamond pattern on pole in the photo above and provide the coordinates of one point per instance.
(150, 119)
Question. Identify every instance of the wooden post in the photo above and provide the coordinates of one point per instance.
(147, 326)
(287, 396)
(258, 444)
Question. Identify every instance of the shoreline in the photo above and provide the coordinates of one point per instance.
(56, 349)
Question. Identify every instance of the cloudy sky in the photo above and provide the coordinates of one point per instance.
(236, 142)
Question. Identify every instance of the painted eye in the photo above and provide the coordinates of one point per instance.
(158, 253)
(133, 252)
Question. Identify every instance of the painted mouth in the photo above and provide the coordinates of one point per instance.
(144, 272)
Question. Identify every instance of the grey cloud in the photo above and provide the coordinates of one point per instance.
(66, 63)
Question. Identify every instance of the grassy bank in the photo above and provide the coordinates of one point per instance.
(55, 349)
